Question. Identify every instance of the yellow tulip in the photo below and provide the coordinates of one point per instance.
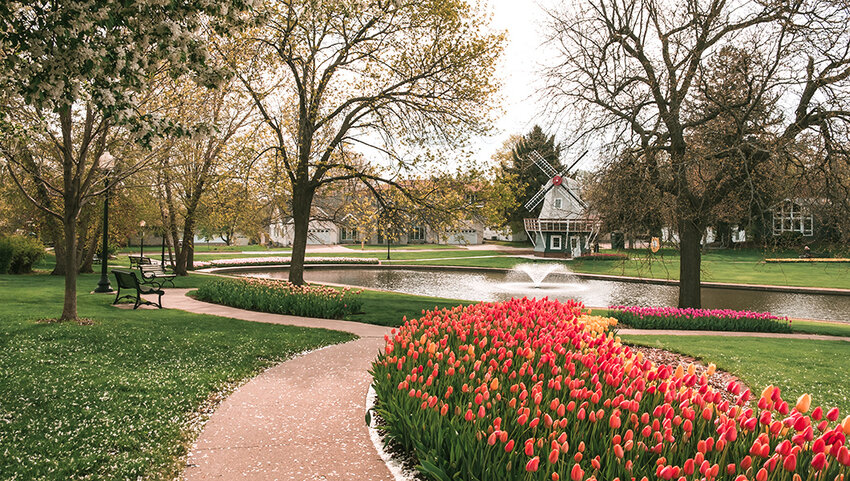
(691, 369)
(845, 425)
(804, 402)
(768, 391)
(680, 372)
(711, 369)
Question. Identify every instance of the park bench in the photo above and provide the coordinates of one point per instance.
(137, 261)
(155, 274)
(128, 280)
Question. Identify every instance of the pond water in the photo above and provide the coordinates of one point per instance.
(495, 286)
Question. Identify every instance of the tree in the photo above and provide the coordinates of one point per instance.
(331, 76)
(190, 166)
(72, 72)
(638, 73)
(519, 171)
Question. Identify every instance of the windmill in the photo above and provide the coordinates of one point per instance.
(556, 180)
(563, 227)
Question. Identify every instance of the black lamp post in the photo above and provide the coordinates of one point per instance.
(107, 163)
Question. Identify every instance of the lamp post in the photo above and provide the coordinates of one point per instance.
(142, 225)
(107, 163)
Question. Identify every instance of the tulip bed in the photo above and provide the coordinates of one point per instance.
(273, 261)
(699, 319)
(538, 390)
(281, 297)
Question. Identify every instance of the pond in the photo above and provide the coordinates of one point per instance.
(496, 285)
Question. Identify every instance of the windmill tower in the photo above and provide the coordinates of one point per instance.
(563, 228)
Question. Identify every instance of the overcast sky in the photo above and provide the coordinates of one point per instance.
(524, 22)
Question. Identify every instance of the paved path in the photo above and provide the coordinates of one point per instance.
(300, 420)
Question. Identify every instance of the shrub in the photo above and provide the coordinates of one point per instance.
(19, 253)
(6, 253)
(699, 319)
(282, 297)
(535, 390)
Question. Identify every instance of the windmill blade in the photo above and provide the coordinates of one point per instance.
(564, 172)
(580, 202)
(541, 164)
(538, 197)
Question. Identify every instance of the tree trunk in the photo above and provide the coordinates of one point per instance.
(58, 251)
(69, 308)
(689, 265)
(302, 199)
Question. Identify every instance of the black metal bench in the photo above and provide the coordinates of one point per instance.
(154, 274)
(138, 261)
(128, 280)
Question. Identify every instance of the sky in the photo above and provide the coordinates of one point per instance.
(524, 24)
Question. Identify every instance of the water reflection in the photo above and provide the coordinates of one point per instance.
(495, 286)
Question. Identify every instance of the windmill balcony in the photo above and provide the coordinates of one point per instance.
(561, 225)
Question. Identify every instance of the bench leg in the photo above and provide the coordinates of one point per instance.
(159, 301)
(138, 300)
(117, 296)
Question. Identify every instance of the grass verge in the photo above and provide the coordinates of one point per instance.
(116, 399)
(796, 366)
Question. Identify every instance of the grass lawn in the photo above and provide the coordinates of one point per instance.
(389, 308)
(745, 266)
(796, 366)
(115, 400)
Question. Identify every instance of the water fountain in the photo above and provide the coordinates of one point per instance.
(538, 272)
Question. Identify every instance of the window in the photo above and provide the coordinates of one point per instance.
(347, 234)
(559, 203)
(556, 242)
(792, 217)
(417, 233)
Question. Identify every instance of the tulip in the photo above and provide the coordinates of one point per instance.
(819, 461)
(803, 403)
(790, 463)
(576, 474)
(845, 425)
(832, 414)
(533, 464)
(509, 446)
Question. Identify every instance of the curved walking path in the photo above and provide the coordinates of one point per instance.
(304, 418)
(300, 420)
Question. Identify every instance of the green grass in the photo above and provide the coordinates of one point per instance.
(114, 400)
(389, 308)
(745, 266)
(796, 366)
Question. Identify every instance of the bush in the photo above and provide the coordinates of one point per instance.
(534, 390)
(19, 253)
(699, 319)
(6, 253)
(281, 297)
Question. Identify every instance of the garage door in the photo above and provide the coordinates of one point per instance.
(464, 237)
(319, 236)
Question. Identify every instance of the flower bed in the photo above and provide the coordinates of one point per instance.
(603, 256)
(281, 297)
(535, 390)
(271, 261)
(699, 319)
(838, 260)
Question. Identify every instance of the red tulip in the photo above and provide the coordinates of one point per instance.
(533, 464)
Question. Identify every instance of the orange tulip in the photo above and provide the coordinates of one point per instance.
(845, 425)
(804, 402)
